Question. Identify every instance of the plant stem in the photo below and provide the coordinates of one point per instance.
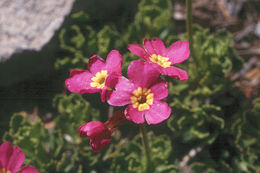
(146, 147)
(189, 32)
(189, 23)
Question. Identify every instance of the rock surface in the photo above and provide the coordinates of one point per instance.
(29, 24)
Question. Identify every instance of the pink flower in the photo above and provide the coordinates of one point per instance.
(100, 133)
(142, 92)
(12, 158)
(84, 81)
(155, 52)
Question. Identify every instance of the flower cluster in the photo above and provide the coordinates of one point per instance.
(142, 91)
(12, 158)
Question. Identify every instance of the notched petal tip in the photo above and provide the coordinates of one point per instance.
(175, 72)
(95, 58)
(138, 51)
(96, 64)
(183, 75)
(159, 112)
(114, 54)
(132, 114)
(156, 39)
(113, 62)
(74, 72)
(178, 52)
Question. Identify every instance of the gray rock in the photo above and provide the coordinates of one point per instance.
(29, 24)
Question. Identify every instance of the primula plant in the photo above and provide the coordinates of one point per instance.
(142, 92)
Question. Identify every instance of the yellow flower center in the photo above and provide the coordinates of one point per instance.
(142, 98)
(162, 61)
(99, 79)
(4, 171)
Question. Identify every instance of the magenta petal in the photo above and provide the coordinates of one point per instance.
(74, 72)
(158, 112)
(142, 74)
(178, 52)
(149, 47)
(175, 72)
(79, 82)
(98, 144)
(113, 62)
(28, 169)
(123, 92)
(5, 153)
(16, 160)
(111, 81)
(96, 64)
(110, 84)
(132, 114)
(103, 95)
(98, 133)
(91, 129)
(138, 50)
(160, 90)
(158, 46)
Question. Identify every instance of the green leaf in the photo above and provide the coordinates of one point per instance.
(16, 122)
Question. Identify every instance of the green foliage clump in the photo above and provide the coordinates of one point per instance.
(81, 40)
(55, 147)
(246, 140)
(209, 109)
(129, 156)
(197, 102)
(152, 20)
